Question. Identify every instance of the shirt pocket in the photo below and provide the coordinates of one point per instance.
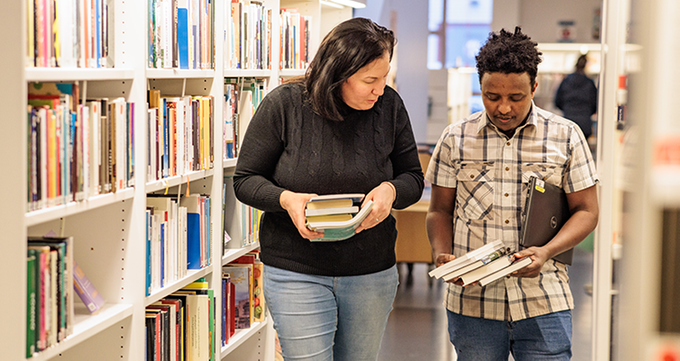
(551, 173)
(474, 191)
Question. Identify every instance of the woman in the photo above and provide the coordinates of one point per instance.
(337, 130)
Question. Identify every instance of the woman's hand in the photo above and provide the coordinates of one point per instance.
(383, 196)
(294, 204)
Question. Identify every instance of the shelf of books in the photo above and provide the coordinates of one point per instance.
(122, 211)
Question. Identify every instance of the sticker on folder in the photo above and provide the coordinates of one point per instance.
(540, 185)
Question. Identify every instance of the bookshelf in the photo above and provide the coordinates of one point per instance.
(109, 229)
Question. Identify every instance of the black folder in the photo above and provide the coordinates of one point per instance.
(546, 210)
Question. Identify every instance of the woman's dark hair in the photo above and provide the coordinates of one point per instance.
(350, 46)
(507, 53)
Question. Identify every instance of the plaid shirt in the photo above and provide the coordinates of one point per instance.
(490, 173)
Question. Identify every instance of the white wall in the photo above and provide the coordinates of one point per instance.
(538, 18)
(412, 74)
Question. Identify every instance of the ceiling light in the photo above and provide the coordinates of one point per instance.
(330, 4)
(359, 4)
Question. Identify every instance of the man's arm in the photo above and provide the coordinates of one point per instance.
(440, 223)
(584, 216)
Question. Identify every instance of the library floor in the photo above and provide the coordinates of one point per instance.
(416, 329)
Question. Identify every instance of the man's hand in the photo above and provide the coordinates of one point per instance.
(441, 258)
(294, 204)
(538, 256)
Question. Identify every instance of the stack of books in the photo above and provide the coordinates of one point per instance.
(483, 265)
(336, 215)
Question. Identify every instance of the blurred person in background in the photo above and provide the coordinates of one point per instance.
(577, 97)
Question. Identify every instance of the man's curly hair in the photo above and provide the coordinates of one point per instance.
(507, 53)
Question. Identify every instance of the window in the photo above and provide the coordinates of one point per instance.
(458, 28)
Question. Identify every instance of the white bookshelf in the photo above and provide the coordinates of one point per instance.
(109, 229)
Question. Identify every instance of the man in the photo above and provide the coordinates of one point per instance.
(576, 97)
(479, 173)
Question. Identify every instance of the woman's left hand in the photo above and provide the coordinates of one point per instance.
(383, 196)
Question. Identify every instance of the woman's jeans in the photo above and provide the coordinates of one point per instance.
(546, 337)
(329, 318)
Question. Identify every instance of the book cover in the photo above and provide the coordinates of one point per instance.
(92, 299)
(341, 230)
(478, 263)
(516, 264)
(485, 270)
(259, 305)
(240, 278)
(465, 259)
(31, 289)
(193, 206)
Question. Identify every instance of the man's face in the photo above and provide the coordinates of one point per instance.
(507, 98)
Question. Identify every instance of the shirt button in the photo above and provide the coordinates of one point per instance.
(472, 176)
(507, 194)
(507, 168)
(508, 143)
(507, 221)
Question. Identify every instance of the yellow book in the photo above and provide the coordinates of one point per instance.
(330, 218)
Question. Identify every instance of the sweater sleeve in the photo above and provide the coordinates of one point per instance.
(259, 154)
(408, 174)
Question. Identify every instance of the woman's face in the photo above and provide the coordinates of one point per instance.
(363, 88)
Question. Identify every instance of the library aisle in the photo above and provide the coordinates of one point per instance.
(417, 327)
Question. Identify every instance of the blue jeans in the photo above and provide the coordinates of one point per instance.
(329, 318)
(546, 337)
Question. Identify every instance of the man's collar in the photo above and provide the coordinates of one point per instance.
(531, 119)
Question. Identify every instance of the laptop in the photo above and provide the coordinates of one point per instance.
(545, 212)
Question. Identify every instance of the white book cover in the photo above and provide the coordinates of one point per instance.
(85, 149)
(95, 145)
(516, 265)
(466, 259)
(487, 269)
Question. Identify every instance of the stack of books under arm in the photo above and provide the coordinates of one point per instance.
(484, 265)
(336, 215)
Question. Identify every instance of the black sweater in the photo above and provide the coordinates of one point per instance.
(289, 147)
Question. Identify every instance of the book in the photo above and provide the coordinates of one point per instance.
(92, 299)
(340, 230)
(331, 217)
(259, 304)
(477, 264)
(514, 266)
(466, 259)
(333, 200)
(194, 235)
(487, 269)
(31, 288)
(240, 278)
(331, 211)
